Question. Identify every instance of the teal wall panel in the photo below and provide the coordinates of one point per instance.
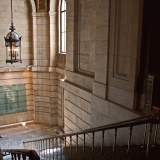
(12, 99)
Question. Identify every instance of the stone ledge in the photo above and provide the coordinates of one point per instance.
(15, 124)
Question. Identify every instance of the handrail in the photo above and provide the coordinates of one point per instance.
(121, 124)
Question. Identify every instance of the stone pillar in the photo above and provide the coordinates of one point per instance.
(34, 23)
(53, 38)
(72, 35)
(101, 56)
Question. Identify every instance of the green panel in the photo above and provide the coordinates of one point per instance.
(1, 95)
(21, 98)
(12, 99)
(2, 100)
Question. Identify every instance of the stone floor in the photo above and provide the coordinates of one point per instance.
(14, 137)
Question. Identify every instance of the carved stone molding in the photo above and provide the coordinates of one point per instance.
(122, 43)
(41, 5)
(124, 28)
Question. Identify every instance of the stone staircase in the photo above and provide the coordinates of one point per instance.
(116, 141)
(93, 144)
(137, 152)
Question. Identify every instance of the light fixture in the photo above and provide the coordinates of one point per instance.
(13, 44)
(23, 123)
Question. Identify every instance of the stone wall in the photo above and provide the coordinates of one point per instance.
(108, 94)
(19, 74)
(39, 30)
(48, 98)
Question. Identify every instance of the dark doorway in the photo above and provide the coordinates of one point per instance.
(154, 52)
(150, 61)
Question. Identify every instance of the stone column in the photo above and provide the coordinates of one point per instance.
(72, 35)
(34, 23)
(53, 38)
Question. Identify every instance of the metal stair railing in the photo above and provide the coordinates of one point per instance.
(55, 146)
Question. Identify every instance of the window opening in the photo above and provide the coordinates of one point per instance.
(63, 26)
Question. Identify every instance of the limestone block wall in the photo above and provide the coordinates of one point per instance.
(60, 98)
(105, 112)
(23, 24)
(41, 97)
(110, 91)
(87, 36)
(45, 89)
(48, 97)
(41, 39)
(77, 108)
(14, 78)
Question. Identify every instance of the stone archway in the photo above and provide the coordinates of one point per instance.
(33, 5)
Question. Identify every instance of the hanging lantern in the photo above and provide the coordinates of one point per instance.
(13, 44)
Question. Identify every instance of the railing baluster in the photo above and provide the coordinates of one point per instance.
(12, 156)
(23, 157)
(149, 141)
(53, 146)
(115, 141)
(65, 147)
(57, 148)
(41, 148)
(61, 147)
(102, 144)
(93, 145)
(71, 146)
(44, 150)
(15, 156)
(129, 141)
(84, 145)
(19, 156)
(145, 131)
(155, 137)
(49, 148)
(38, 147)
(77, 146)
